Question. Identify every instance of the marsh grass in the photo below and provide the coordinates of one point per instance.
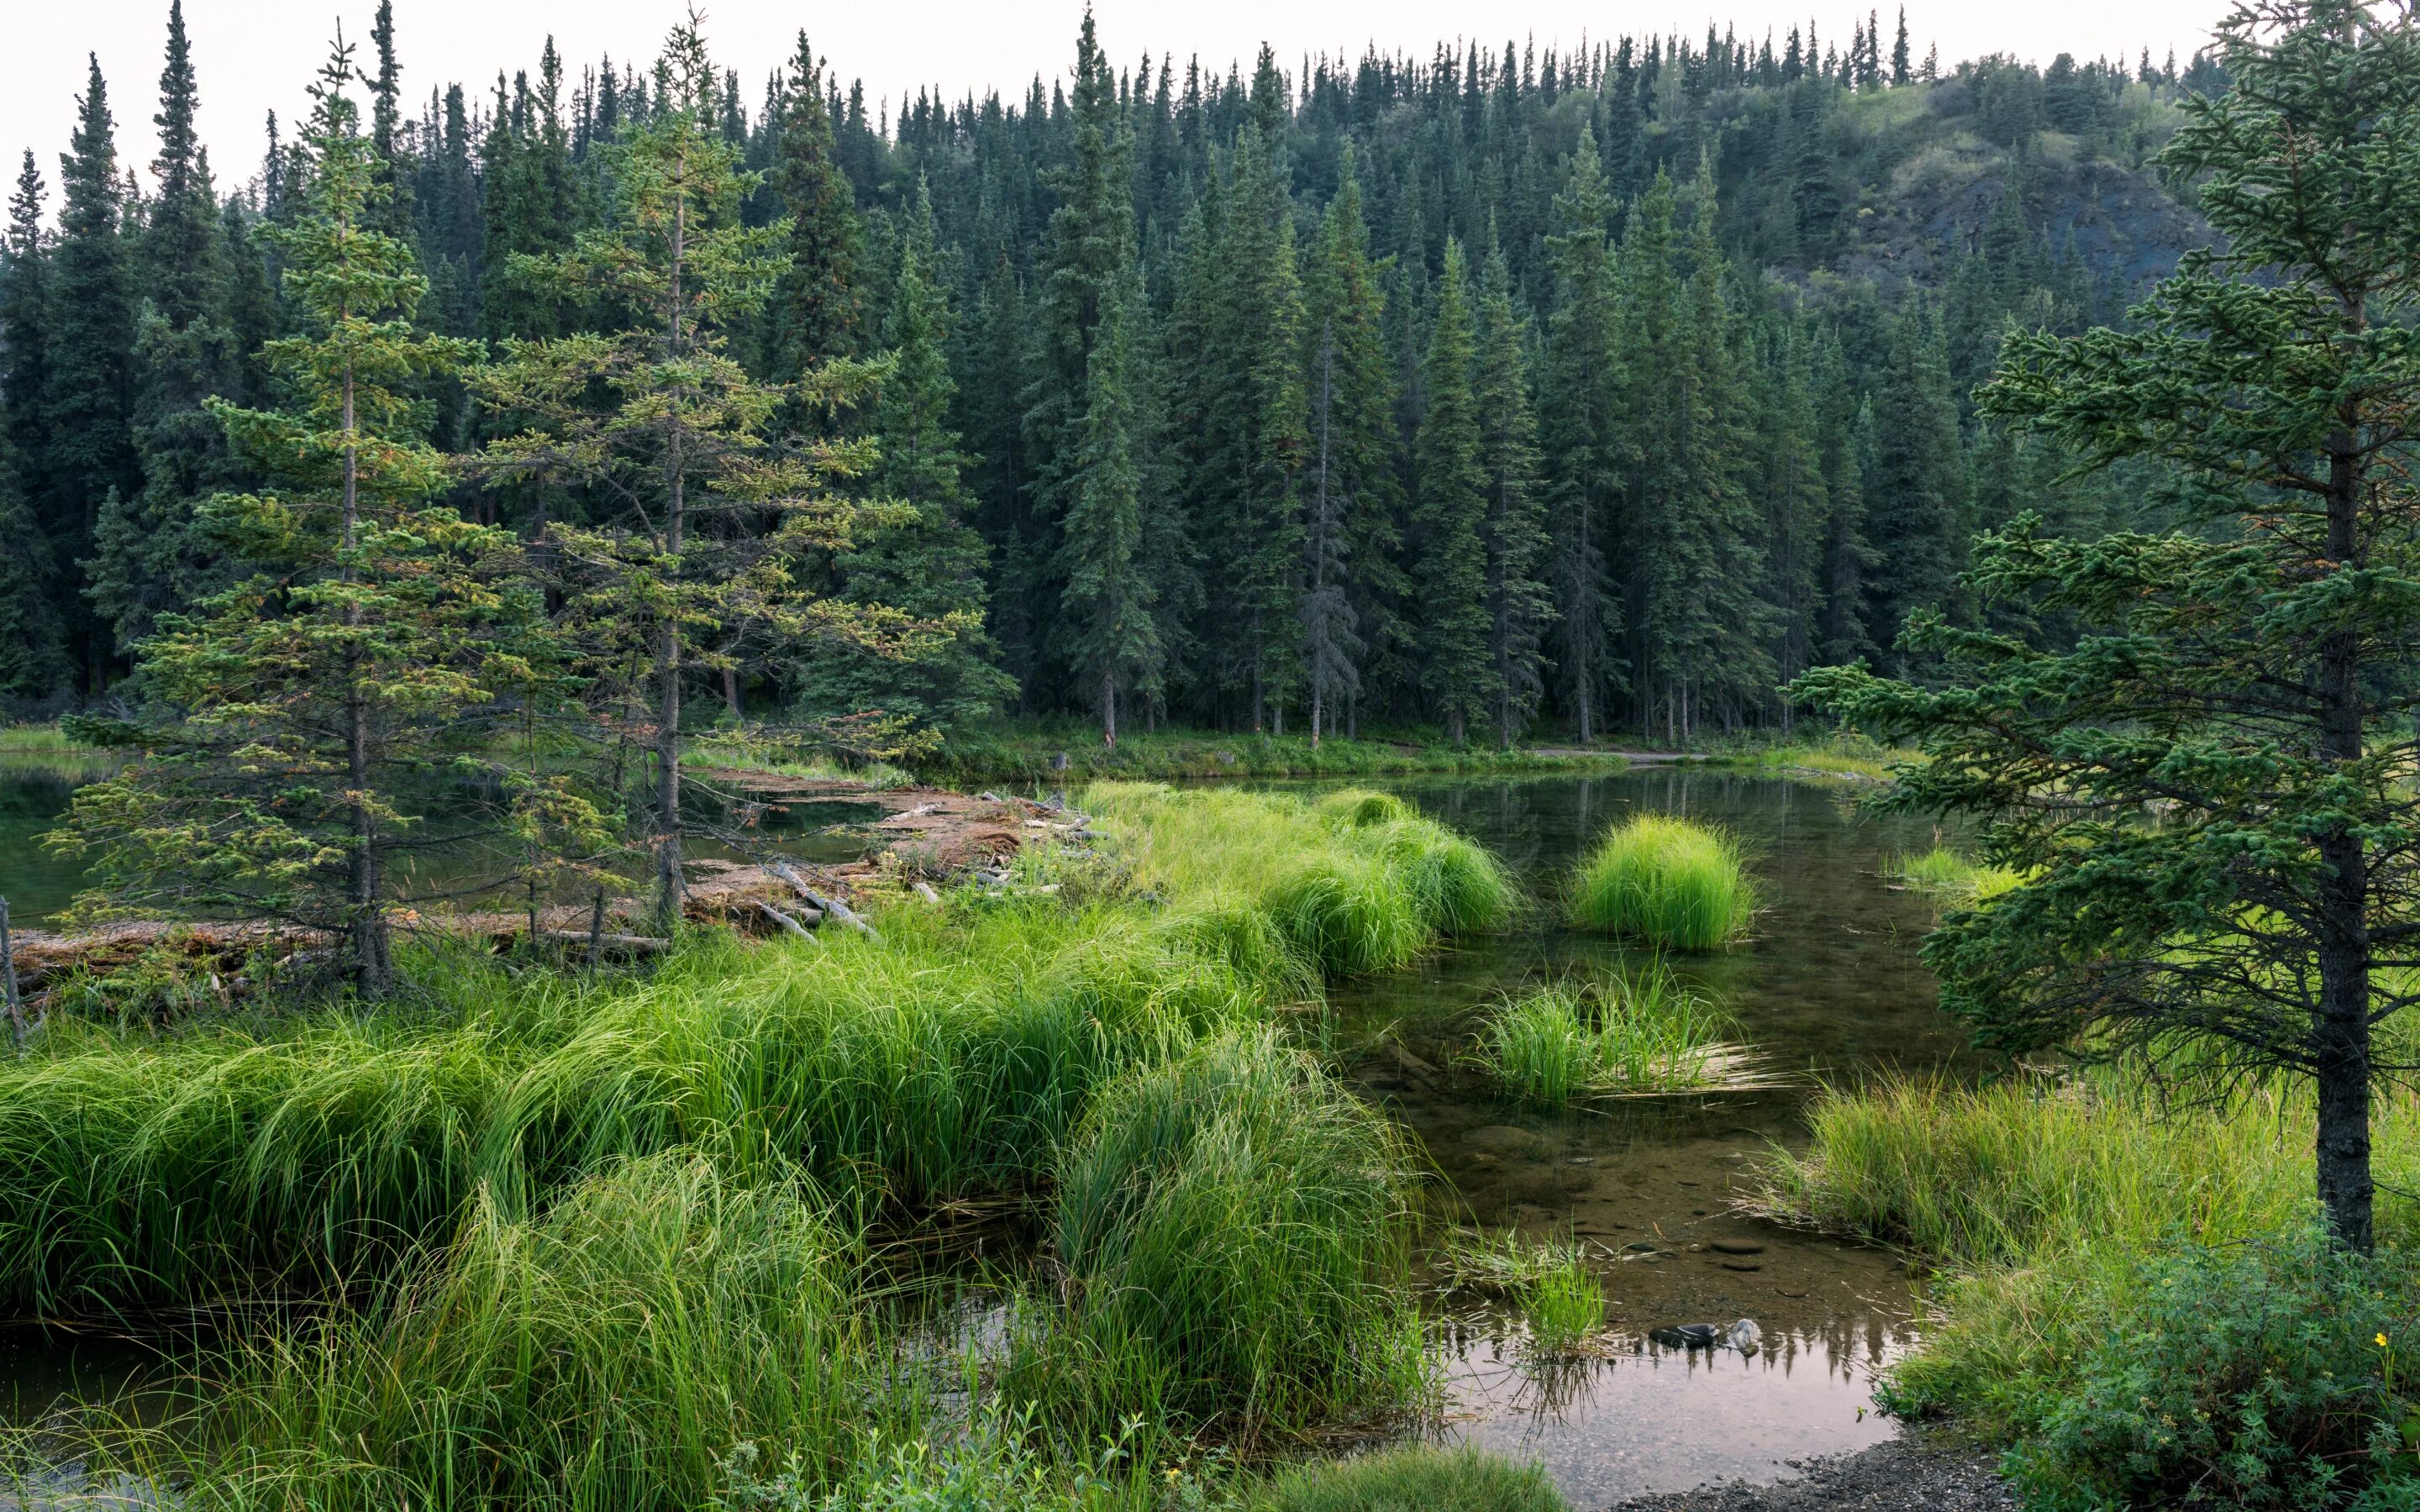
(1671, 882)
(1354, 884)
(1634, 1032)
(1944, 872)
(2037, 1200)
(1236, 1225)
(42, 740)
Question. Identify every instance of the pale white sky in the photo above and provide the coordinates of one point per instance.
(257, 56)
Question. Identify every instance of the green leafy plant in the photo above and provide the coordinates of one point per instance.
(1672, 882)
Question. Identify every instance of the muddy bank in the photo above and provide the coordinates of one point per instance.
(1912, 1474)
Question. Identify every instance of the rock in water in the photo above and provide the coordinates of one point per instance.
(1687, 1335)
(1744, 1336)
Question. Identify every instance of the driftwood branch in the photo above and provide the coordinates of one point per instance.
(783, 920)
(18, 1028)
(832, 906)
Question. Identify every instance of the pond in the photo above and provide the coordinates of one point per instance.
(1827, 988)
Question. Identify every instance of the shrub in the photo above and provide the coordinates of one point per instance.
(1671, 882)
(2249, 1377)
(1234, 1228)
(1413, 1480)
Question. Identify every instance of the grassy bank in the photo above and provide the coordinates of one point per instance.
(585, 1233)
(1027, 755)
(2095, 1251)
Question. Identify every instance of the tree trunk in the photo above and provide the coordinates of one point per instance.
(1108, 710)
(2340, 1031)
(368, 921)
(669, 883)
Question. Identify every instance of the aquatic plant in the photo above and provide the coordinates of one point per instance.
(1563, 1305)
(1235, 1228)
(1672, 882)
(1639, 1030)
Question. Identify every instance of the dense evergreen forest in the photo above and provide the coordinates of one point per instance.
(1490, 392)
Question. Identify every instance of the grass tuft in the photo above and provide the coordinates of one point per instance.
(1637, 1032)
(1672, 882)
(1944, 872)
(1236, 1223)
(1564, 1306)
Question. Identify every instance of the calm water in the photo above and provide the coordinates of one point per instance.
(1828, 987)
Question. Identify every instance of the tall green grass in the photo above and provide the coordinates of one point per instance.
(1637, 1031)
(1354, 884)
(1412, 1479)
(1233, 1229)
(1672, 882)
(2039, 1200)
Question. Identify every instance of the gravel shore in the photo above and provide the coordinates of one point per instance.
(1903, 1475)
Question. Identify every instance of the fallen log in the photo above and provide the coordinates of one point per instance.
(783, 920)
(632, 944)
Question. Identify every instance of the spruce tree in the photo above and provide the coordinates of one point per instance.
(1915, 493)
(1520, 608)
(1582, 441)
(317, 687)
(1790, 483)
(148, 557)
(1114, 640)
(814, 313)
(1356, 484)
(89, 385)
(1448, 514)
(929, 561)
(2208, 795)
(34, 655)
(703, 556)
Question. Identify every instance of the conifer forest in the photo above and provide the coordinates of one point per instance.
(1508, 394)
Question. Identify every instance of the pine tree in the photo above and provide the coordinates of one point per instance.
(1449, 511)
(1114, 639)
(1519, 606)
(1582, 440)
(1790, 483)
(316, 687)
(89, 407)
(814, 313)
(148, 558)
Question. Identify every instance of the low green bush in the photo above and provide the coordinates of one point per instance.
(2255, 1376)
(1413, 1480)
(1233, 1229)
(1671, 882)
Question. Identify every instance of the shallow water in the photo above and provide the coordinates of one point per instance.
(1828, 988)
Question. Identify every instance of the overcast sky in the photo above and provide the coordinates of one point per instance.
(257, 56)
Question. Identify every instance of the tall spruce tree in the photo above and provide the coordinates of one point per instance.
(317, 687)
(34, 654)
(148, 557)
(814, 313)
(1582, 441)
(703, 556)
(1114, 642)
(90, 382)
(1448, 514)
(1520, 608)
(1358, 594)
(1915, 493)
